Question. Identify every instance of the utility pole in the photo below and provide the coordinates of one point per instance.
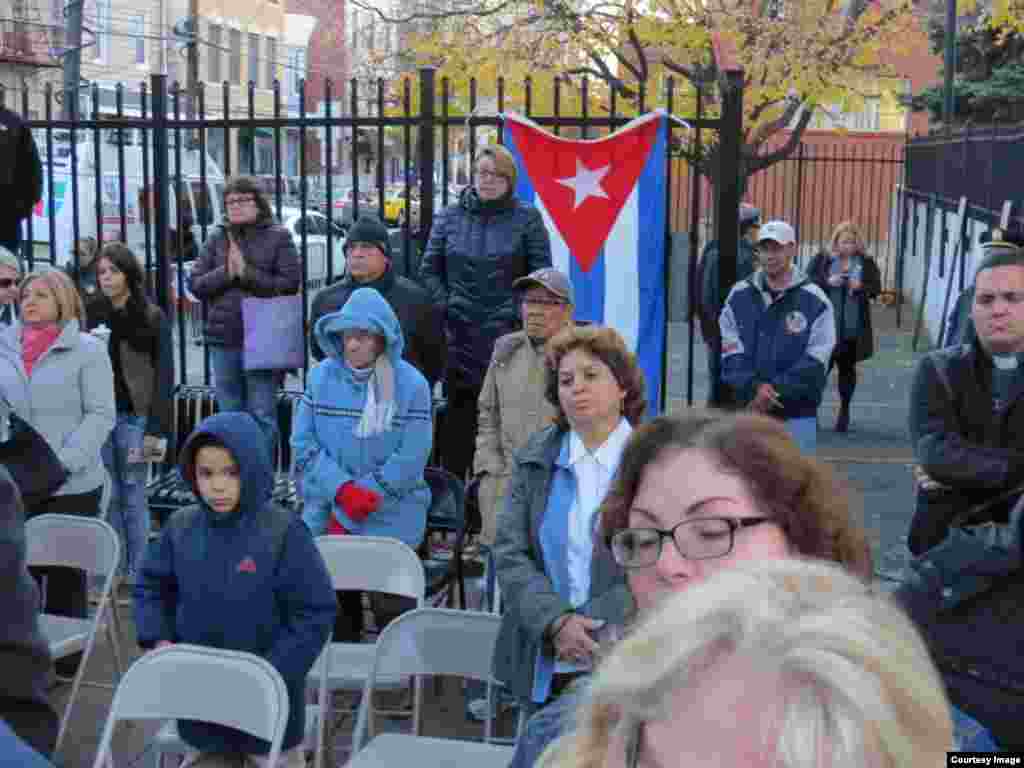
(193, 60)
(72, 58)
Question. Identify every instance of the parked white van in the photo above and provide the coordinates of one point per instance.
(200, 204)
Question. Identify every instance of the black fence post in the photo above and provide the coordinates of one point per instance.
(728, 190)
(426, 142)
(161, 186)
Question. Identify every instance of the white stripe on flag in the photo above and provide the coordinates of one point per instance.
(559, 250)
(622, 273)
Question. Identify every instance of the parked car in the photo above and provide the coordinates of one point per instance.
(316, 227)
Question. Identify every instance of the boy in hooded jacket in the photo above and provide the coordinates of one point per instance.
(237, 571)
(361, 439)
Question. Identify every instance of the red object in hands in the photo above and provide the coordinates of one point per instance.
(334, 528)
(357, 502)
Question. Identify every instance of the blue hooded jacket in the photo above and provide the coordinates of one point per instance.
(251, 580)
(327, 451)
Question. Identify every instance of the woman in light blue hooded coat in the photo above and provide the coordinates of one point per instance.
(363, 431)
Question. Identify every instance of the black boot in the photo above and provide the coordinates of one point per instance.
(843, 419)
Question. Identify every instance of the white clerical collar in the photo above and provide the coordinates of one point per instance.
(1005, 362)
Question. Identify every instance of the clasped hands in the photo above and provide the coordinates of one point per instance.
(236, 262)
(573, 638)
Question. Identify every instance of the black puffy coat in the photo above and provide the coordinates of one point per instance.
(272, 269)
(475, 252)
(25, 665)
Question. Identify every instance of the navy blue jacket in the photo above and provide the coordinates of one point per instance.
(475, 252)
(252, 580)
(785, 342)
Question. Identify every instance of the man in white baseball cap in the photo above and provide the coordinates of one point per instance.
(778, 332)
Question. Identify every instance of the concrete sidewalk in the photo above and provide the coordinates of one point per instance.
(875, 456)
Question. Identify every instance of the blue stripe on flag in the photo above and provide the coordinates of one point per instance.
(589, 289)
(651, 262)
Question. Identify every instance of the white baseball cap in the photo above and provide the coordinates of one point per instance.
(779, 231)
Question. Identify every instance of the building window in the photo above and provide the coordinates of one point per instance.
(137, 25)
(101, 30)
(254, 60)
(236, 56)
(296, 72)
(271, 61)
(213, 53)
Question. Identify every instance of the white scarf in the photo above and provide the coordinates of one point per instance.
(379, 410)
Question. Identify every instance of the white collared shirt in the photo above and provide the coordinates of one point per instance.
(593, 473)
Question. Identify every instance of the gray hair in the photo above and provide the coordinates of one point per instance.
(857, 682)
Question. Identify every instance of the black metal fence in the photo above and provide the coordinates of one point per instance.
(142, 173)
(982, 165)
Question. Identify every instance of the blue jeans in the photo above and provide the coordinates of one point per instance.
(544, 726)
(240, 390)
(129, 512)
(804, 432)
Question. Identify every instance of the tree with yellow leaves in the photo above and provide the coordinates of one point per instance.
(618, 55)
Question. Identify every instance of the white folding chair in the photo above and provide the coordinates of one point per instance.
(90, 545)
(212, 685)
(431, 641)
(368, 564)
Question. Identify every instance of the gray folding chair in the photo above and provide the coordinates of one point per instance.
(369, 564)
(212, 685)
(93, 546)
(430, 641)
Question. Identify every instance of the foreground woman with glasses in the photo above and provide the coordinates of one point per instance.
(702, 494)
(784, 663)
(699, 494)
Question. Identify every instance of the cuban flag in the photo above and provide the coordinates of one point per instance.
(603, 202)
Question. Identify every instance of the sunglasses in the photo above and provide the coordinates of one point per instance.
(7, 282)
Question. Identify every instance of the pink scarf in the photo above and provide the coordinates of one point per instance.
(35, 340)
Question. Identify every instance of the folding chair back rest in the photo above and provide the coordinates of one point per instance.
(431, 641)
(438, 641)
(211, 685)
(373, 564)
(87, 543)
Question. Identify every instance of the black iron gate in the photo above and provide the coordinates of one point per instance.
(149, 180)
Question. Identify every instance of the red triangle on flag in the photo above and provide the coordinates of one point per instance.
(584, 184)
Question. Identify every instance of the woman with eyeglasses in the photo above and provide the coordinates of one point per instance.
(558, 589)
(478, 247)
(774, 664)
(248, 255)
(701, 494)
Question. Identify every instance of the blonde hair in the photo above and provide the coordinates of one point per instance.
(848, 227)
(858, 684)
(504, 161)
(69, 302)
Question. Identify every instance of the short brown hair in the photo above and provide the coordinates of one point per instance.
(801, 493)
(608, 346)
(69, 301)
(503, 160)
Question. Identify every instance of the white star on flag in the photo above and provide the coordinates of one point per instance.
(586, 183)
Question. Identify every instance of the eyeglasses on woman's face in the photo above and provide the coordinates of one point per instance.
(700, 538)
(238, 201)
